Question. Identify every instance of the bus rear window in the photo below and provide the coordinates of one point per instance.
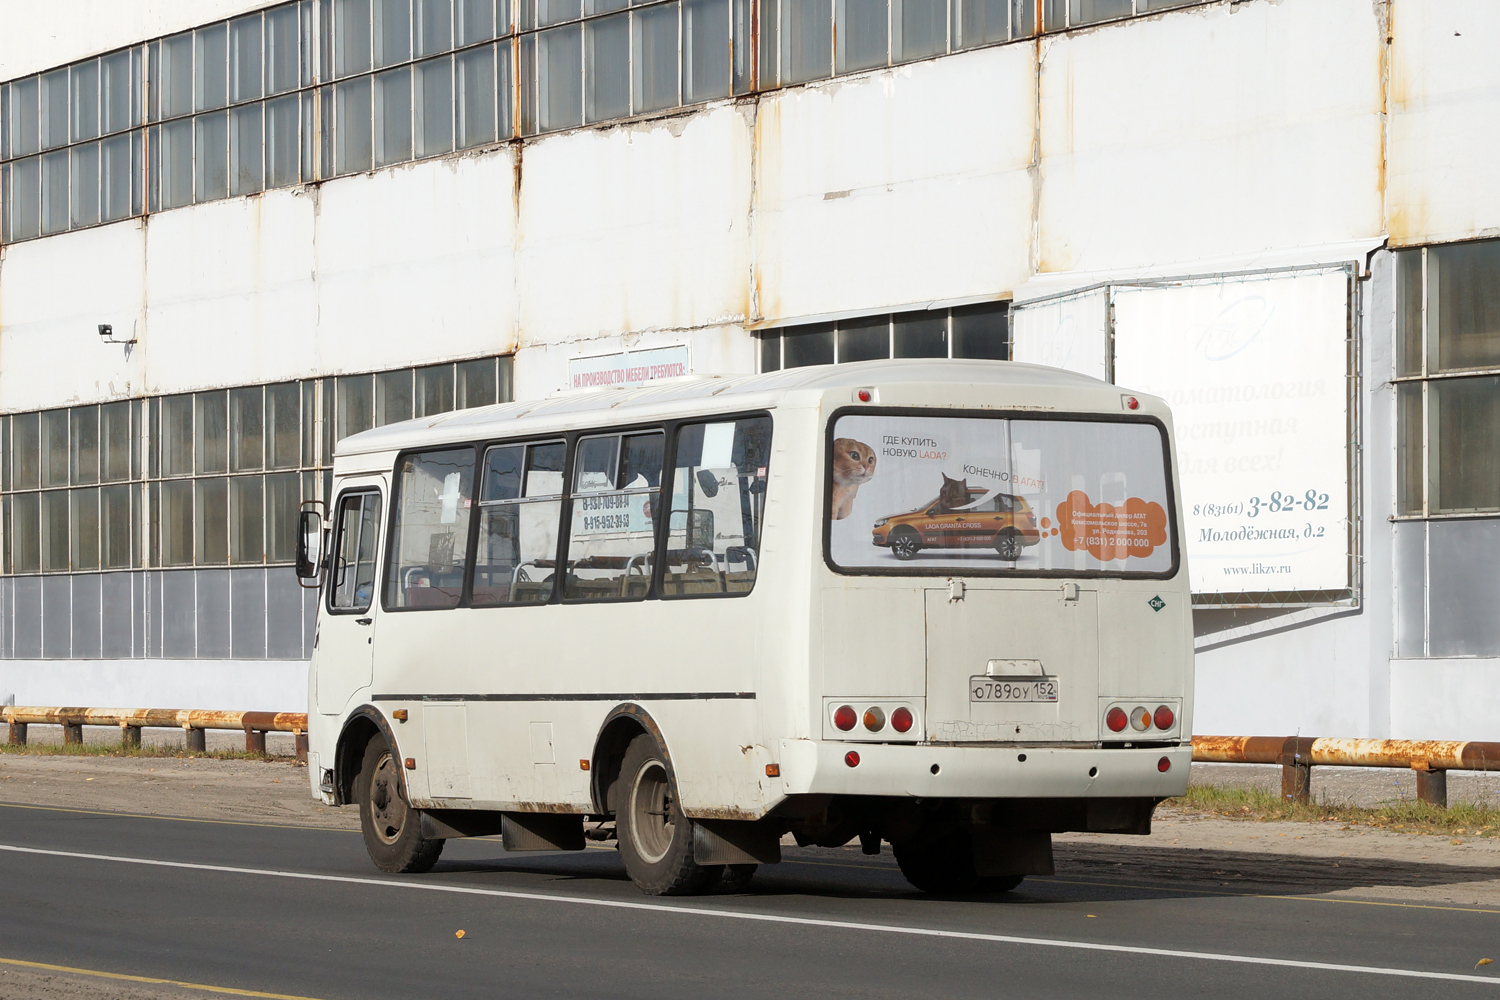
(992, 494)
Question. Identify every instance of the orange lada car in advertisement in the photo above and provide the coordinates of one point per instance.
(1002, 521)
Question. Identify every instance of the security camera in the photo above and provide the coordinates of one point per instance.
(106, 331)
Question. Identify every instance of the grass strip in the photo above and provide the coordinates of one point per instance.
(1471, 819)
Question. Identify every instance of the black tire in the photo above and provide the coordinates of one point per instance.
(655, 838)
(939, 862)
(736, 878)
(1000, 883)
(905, 543)
(392, 828)
(1008, 544)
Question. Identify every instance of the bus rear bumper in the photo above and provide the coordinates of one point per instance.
(821, 767)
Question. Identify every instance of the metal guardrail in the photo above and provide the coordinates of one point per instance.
(194, 724)
(1298, 755)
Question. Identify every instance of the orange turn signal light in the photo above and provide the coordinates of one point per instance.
(773, 770)
(411, 763)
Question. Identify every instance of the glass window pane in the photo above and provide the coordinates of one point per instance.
(246, 155)
(502, 474)
(172, 77)
(247, 518)
(55, 554)
(1023, 18)
(770, 42)
(1408, 265)
(211, 521)
(25, 125)
(114, 442)
(1409, 435)
(283, 63)
(85, 94)
(172, 158)
(351, 39)
(742, 45)
(718, 503)
(246, 429)
(283, 142)
(283, 496)
(283, 437)
(84, 196)
(84, 506)
(864, 340)
(55, 446)
(559, 78)
(392, 31)
(982, 331)
(177, 435)
(607, 54)
(25, 532)
(26, 451)
(434, 24)
(476, 21)
(1090, 11)
(1463, 306)
(431, 530)
(806, 40)
(476, 383)
(55, 193)
(476, 97)
(1465, 589)
(356, 395)
(55, 109)
(117, 186)
(705, 50)
(976, 22)
(84, 451)
(211, 431)
(505, 386)
(594, 465)
(434, 390)
(655, 58)
(921, 335)
(114, 527)
(393, 397)
(212, 155)
(863, 33)
(1464, 462)
(770, 350)
(393, 117)
(554, 11)
(613, 532)
(211, 67)
(355, 135)
(24, 190)
(176, 523)
(923, 29)
(517, 541)
(352, 577)
(434, 107)
(117, 98)
(245, 59)
(807, 345)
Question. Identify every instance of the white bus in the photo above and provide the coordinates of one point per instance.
(935, 604)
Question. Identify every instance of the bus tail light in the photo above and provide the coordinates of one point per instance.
(852, 758)
(901, 720)
(1164, 717)
(844, 718)
(874, 719)
(1140, 719)
(1115, 719)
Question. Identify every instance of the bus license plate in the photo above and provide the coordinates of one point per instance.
(1009, 689)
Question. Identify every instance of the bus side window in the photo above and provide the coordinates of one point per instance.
(434, 491)
(718, 503)
(353, 574)
(612, 539)
(520, 505)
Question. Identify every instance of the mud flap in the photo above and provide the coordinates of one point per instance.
(735, 842)
(998, 852)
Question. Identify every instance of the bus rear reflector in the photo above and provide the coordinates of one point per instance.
(851, 758)
(1164, 765)
(845, 718)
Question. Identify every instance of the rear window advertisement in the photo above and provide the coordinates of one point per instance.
(975, 494)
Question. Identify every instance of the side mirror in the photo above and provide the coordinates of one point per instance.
(309, 563)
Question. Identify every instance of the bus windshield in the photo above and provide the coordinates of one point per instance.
(996, 494)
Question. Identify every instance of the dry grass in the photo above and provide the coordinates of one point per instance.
(1410, 816)
(116, 750)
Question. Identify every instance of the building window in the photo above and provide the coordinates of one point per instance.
(977, 331)
(1447, 380)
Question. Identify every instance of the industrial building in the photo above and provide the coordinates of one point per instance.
(232, 233)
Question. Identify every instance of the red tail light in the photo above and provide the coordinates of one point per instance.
(845, 718)
(852, 759)
(1164, 765)
(901, 720)
(1164, 717)
(1116, 720)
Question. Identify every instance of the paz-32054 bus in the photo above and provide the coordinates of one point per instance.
(940, 605)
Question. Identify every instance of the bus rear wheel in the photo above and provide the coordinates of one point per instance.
(656, 839)
(392, 829)
(940, 862)
(905, 543)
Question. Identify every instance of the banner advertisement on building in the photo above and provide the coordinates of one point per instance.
(1255, 370)
(629, 367)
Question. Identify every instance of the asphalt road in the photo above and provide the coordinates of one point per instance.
(301, 912)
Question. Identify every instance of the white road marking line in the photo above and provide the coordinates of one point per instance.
(771, 918)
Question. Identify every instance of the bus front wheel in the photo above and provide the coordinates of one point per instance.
(392, 829)
(656, 839)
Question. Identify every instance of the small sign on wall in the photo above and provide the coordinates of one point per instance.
(629, 367)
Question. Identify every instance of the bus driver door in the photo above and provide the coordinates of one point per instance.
(344, 645)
